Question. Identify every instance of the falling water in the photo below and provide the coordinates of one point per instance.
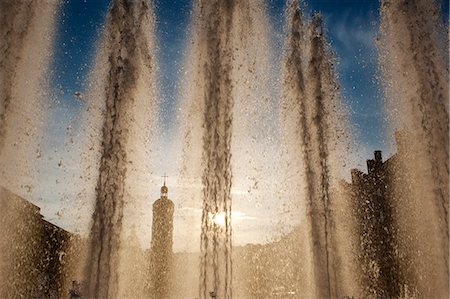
(293, 117)
(126, 84)
(227, 36)
(26, 39)
(215, 272)
(19, 19)
(414, 61)
(222, 80)
(16, 18)
(310, 103)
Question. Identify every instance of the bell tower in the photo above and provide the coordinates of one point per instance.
(162, 243)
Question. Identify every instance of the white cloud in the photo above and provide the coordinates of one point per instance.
(354, 32)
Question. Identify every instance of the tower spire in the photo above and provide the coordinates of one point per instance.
(164, 189)
(164, 176)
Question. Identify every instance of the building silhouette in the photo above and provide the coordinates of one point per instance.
(161, 246)
(378, 197)
(373, 208)
(33, 258)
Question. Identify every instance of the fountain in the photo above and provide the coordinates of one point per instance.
(215, 35)
(222, 74)
(125, 91)
(366, 238)
(310, 108)
(414, 61)
(26, 40)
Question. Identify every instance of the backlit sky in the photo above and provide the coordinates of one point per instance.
(351, 27)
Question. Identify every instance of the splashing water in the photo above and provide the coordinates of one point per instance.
(26, 39)
(414, 62)
(215, 272)
(12, 37)
(224, 63)
(226, 71)
(310, 107)
(128, 102)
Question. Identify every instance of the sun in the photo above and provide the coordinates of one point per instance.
(218, 219)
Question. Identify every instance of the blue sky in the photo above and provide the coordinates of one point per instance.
(351, 27)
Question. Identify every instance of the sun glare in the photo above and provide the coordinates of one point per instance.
(218, 218)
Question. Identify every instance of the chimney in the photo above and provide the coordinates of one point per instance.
(378, 157)
(370, 165)
(376, 163)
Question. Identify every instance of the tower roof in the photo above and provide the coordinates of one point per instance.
(164, 189)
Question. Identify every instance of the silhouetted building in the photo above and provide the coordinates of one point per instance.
(162, 242)
(32, 251)
(373, 210)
